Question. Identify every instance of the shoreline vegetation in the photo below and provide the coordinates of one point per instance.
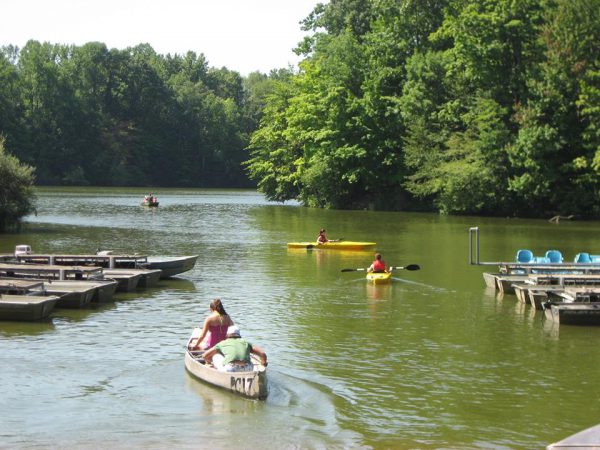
(456, 107)
(17, 197)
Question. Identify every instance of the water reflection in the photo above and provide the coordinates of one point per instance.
(214, 400)
(13, 328)
(551, 329)
(378, 292)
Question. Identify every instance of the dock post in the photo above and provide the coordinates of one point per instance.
(51, 260)
(111, 262)
(61, 274)
(474, 230)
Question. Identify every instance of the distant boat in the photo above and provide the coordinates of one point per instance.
(150, 201)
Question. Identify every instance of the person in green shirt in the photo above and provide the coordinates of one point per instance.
(233, 353)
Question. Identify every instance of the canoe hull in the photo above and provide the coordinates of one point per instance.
(343, 245)
(251, 384)
(171, 266)
(248, 384)
(379, 277)
(25, 307)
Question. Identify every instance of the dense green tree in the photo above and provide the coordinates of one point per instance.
(464, 106)
(460, 101)
(556, 146)
(10, 104)
(276, 159)
(90, 115)
(16, 189)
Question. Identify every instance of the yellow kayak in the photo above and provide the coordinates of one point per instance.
(343, 245)
(379, 277)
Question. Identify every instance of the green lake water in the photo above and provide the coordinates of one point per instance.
(433, 360)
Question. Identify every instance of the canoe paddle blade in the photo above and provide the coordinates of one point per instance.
(409, 267)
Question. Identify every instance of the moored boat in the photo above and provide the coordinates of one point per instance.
(171, 265)
(126, 281)
(26, 307)
(252, 384)
(576, 313)
(339, 245)
(147, 277)
(71, 293)
(50, 272)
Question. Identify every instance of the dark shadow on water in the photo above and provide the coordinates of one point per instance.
(20, 328)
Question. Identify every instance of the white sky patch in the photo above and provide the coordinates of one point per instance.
(242, 35)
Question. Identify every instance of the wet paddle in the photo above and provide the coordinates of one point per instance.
(409, 267)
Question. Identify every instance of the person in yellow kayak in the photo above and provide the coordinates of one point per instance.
(378, 265)
(322, 237)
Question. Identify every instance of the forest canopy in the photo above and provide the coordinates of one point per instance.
(462, 106)
(487, 107)
(89, 115)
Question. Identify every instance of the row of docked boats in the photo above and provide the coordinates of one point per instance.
(32, 285)
(567, 293)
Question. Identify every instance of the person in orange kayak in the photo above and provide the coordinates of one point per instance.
(378, 265)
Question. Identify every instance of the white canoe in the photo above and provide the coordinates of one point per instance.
(586, 439)
(251, 384)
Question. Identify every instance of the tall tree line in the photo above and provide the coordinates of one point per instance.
(487, 107)
(89, 115)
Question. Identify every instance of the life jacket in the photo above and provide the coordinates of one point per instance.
(378, 266)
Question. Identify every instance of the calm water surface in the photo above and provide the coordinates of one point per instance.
(431, 361)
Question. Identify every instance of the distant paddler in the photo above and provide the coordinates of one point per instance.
(322, 238)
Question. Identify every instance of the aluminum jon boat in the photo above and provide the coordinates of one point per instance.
(248, 384)
(341, 245)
